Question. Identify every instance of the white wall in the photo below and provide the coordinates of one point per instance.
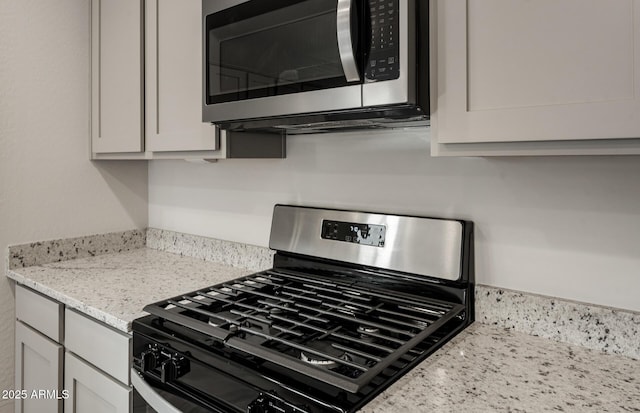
(560, 226)
(48, 187)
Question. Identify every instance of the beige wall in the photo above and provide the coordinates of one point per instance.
(561, 226)
(48, 187)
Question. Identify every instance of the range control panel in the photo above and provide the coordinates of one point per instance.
(384, 57)
(363, 234)
(166, 364)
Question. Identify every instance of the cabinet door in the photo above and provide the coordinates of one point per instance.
(92, 391)
(543, 70)
(116, 76)
(174, 78)
(39, 369)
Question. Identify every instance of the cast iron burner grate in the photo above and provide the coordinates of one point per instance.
(343, 334)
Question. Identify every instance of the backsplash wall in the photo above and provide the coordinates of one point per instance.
(561, 226)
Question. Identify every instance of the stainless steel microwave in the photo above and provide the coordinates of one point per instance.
(297, 64)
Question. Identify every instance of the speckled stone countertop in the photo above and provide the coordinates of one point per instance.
(488, 367)
(113, 288)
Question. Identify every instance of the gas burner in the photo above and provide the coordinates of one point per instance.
(367, 333)
(320, 361)
(276, 310)
(366, 330)
(274, 306)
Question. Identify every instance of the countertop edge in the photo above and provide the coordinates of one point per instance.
(72, 303)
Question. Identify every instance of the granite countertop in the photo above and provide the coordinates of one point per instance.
(490, 369)
(483, 369)
(113, 288)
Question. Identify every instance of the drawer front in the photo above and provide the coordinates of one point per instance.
(39, 312)
(102, 346)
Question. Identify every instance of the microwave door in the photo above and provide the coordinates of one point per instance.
(277, 58)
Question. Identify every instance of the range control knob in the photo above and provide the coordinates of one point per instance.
(148, 360)
(174, 368)
(271, 403)
(167, 371)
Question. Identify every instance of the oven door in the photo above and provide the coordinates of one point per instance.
(148, 399)
(152, 399)
(281, 57)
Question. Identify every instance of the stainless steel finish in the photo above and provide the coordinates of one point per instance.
(424, 246)
(345, 44)
(401, 90)
(153, 399)
(347, 97)
(340, 125)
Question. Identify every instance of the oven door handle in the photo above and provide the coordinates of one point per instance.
(150, 396)
(345, 41)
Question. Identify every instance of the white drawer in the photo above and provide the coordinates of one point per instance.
(39, 312)
(107, 349)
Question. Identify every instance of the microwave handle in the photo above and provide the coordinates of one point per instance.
(345, 43)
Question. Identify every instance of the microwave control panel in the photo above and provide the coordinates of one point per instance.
(384, 54)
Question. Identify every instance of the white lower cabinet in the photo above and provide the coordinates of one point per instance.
(90, 390)
(38, 372)
(96, 368)
(90, 373)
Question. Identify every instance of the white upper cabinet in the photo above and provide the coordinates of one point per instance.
(116, 76)
(174, 78)
(561, 75)
(149, 105)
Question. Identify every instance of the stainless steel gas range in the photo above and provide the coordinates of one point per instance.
(353, 302)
